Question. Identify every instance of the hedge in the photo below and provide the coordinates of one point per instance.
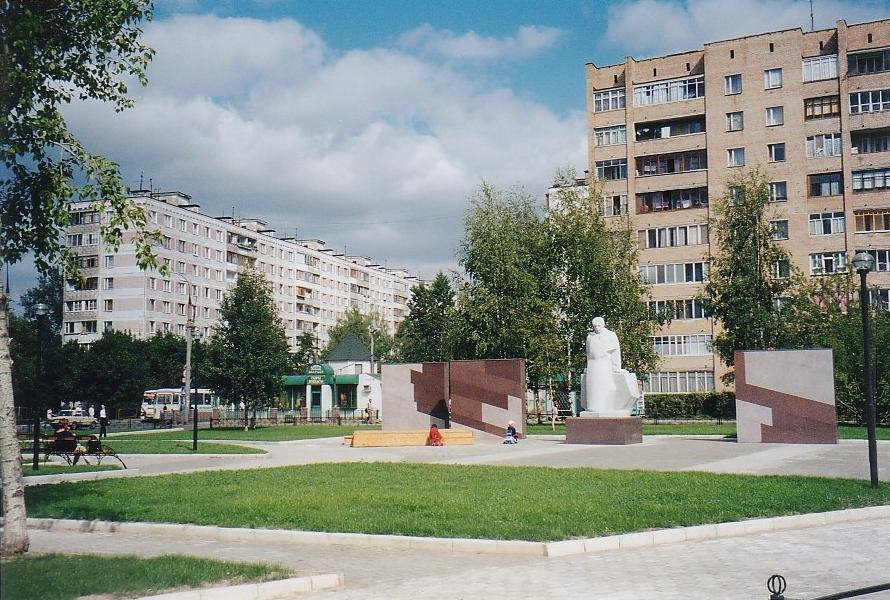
(712, 405)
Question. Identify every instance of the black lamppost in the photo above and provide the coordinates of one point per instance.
(40, 403)
(864, 262)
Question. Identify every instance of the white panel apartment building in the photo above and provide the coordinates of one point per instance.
(313, 285)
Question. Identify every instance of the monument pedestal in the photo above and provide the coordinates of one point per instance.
(616, 431)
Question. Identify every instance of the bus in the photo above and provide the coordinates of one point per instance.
(154, 401)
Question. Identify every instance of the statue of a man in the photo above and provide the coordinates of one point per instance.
(602, 394)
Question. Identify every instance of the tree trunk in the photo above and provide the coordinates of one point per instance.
(15, 532)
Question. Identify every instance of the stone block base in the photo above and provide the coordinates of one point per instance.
(616, 431)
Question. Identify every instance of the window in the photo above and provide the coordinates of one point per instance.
(872, 220)
(108, 283)
(75, 240)
(881, 299)
(682, 345)
(181, 225)
(772, 79)
(822, 107)
(615, 205)
(109, 326)
(870, 101)
(672, 200)
(819, 67)
(735, 121)
(872, 179)
(862, 63)
(669, 237)
(668, 129)
(678, 382)
(775, 115)
(732, 84)
(735, 195)
(108, 305)
(776, 152)
(824, 263)
(674, 273)
(778, 191)
(610, 136)
(827, 223)
(69, 328)
(882, 259)
(680, 310)
(607, 170)
(825, 184)
(824, 144)
(780, 229)
(608, 100)
(168, 220)
(109, 261)
(781, 269)
(167, 308)
(677, 162)
(88, 327)
(663, 92)
(735, 157)
(868, 142)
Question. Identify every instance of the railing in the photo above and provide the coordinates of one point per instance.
(777, 585)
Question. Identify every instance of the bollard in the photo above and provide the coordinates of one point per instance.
(776, 585)
(36, 443)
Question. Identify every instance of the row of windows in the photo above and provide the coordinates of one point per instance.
(682, 345)
(610, 136)
(675, 90)
(827, 223)
(676, 162)
(873, 220)
(670, 237)
(664, 382)
(680, 310)
(672, 200)
(882, 259)
(668, 129)
(694, 272)
(869, 101)
(871, 179)
(825, 263)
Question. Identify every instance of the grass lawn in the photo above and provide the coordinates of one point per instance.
(527, 503)
(149, 444)
(69, 576)
(281, 433)
(49, 469)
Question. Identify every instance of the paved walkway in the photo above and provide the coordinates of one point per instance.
(816, 561)
(847, 458)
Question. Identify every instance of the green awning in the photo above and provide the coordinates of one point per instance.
(346, 379)
(295, 380)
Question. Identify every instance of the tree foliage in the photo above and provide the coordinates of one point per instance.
(47, 291)
(305, 355)
(363, 326)
(52, 53)
(595, 273)
(427, 334)
(247, 357)
(753, 289)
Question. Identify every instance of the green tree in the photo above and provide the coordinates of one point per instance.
(595, 273)
(505, 309)
(53, 53)
(165, 360)
(427, 333)
(247, 357)
(306, 353)
(364, 327)
(753, 290)
(47, 291)
(115, 373)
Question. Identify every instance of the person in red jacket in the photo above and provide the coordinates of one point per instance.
(435, 435)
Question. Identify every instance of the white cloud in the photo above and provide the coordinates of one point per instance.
(376, 150)
(643, 28)
(528, 41)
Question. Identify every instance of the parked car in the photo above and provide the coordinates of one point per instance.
(76, 418)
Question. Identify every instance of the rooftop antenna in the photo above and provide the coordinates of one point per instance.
(151, 189)
(233, 212)
(812, 21)
(141, 173)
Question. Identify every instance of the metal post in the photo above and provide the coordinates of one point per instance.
(195, 429)
(189, 333)
(869, 381)
(36, 442)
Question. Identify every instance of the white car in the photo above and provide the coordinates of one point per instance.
(76, 418)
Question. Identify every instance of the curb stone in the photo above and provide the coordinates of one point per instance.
(257, 591)
(471, 545)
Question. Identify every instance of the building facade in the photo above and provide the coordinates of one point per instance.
(313, 286)
(811, 110)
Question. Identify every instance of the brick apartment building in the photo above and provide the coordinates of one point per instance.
(313, 286)
(811, 110)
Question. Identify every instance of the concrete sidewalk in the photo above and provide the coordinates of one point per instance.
(816, 561)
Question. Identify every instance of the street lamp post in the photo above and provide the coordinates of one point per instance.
(187, 371)
(41, 311)
(864, 262)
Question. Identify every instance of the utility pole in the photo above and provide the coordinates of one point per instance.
(187, 371)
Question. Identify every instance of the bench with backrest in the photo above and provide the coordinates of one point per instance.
(67, 449)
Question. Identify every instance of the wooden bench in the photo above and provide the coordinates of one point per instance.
(369, 439)
(49, 447)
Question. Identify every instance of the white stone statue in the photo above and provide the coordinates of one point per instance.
(607, 390)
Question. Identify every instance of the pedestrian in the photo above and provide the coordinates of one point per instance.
(91, 411)
(369, 410)
(49, 413)
(512, 436)
(435, 435)
(103, 422)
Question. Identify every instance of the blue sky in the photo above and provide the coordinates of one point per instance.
(369, 124)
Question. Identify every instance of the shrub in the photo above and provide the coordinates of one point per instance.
(712, 405)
